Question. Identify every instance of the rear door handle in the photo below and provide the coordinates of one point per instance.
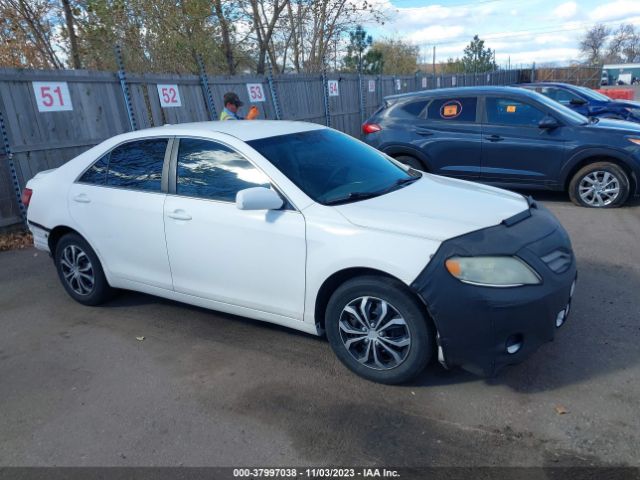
(423, 131)
(82, 198)
(494, 138)
(179, 215)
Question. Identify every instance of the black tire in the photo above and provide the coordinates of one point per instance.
(79, 288)
(412, 162)
(598, 170)
(414, 357)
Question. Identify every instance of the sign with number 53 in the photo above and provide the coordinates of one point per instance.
(52, 96)
(169, 96)
(256, 93)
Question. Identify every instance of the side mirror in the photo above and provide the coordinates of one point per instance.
(258, 198)
(548, 123)
(578, 101)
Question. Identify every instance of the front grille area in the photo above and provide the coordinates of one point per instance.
(558, 261)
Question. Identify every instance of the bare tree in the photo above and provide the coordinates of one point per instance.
(30, 22)
(593, 42)
(71, 33)
(620, 38)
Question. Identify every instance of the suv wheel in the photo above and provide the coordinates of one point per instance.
(80, 271)
(599, 185)
(379, 330)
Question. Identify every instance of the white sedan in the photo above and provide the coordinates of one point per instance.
(303, 226)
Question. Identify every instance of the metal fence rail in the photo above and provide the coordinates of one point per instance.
(107, 103)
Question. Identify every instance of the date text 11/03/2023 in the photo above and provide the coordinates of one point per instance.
(315, 473)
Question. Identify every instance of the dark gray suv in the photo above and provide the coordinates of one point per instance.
(513, 138)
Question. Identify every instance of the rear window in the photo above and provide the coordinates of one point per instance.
(453, 109)
(414, 108)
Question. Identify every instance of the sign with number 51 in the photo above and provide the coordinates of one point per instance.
(169, 96)
(52, 96)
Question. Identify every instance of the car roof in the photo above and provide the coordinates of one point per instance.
(243, 130)
(546, 84)
(459, 91)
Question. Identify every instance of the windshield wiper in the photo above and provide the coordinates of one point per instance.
(364, 195)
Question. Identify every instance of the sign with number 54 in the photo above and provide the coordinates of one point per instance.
(52, 96)
(256, 93)
(332, 86)
(169, 96)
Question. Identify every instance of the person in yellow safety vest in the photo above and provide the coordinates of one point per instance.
(231, 105)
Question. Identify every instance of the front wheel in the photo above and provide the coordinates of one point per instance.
(599, 185)
(80, 271)
(379, 330)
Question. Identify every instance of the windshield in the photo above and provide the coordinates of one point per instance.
(574, 117)
(592, 94)
(331, 167)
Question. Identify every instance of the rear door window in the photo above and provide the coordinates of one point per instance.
(507, 111)
(96, 174)
(457, 109)
(138, 165)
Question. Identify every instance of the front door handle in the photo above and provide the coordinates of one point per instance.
(179, 215)
(494, 138)
(82, 198)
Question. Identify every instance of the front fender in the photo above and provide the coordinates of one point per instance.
(578, 157)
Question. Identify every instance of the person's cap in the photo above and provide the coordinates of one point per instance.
(231, 97)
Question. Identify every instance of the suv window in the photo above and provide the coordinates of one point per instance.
(559, 95)
(138, 165)
(453, 109)
(506, 111)
(213, 171)
(415, 108)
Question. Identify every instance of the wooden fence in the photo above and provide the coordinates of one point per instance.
(38, 140)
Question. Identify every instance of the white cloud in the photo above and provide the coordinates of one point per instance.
(618, 10)
(435, 33)
(565, 10)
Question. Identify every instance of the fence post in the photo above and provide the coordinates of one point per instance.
(204, 81)
(325, 91)
(533, 72)
(125, 89)
(272, 88)
(361, 92)
(12, 169)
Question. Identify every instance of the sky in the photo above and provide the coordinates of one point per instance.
(522, 31)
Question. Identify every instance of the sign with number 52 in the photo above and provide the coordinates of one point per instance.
(52, 96)
(169, 96)
(256, 93)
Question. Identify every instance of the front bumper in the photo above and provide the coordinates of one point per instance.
(476, 324)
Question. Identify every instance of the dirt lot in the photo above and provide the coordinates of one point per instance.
(78, 388)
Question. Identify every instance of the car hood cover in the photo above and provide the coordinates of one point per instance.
(435, 207)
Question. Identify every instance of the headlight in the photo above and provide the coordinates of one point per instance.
(492, 271)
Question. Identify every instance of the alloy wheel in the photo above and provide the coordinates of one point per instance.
(599, 188)
(374, 333)
(77, 270)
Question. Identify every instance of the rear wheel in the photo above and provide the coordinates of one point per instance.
(80, 271)
(599, 185)
(379, 330)
(412, 162)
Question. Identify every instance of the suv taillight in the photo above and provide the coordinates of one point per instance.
(368, 128)
(26, 196)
